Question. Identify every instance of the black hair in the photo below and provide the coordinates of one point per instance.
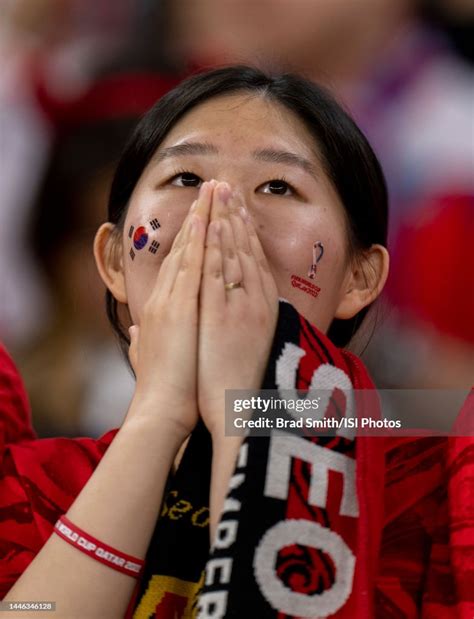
(347, 157)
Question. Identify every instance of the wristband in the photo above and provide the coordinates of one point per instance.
(98, 550)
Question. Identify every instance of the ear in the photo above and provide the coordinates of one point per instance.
(365, 281)
(109, 260)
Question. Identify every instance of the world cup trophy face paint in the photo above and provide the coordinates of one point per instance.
(318, 251)
(300, 282)
(140, 237)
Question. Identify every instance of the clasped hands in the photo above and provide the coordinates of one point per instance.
(198, 336)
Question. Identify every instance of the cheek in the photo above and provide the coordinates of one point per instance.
(148, 236)
(307, 260)
(151, 229)
(300, 243)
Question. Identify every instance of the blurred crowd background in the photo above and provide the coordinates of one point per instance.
(76, 75)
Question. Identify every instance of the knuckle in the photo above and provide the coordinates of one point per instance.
(214, 272)
(244, 250)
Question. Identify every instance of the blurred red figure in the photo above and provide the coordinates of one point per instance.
(74, 357)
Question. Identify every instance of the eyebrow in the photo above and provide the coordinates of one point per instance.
(185, 148)
(287, 158)
(267, 154)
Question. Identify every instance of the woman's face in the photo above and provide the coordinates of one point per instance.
(271, 162)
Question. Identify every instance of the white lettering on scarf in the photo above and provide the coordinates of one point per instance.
(325, 379)
(284, 447)
(213, 605)
(305, 533)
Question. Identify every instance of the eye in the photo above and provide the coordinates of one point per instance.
(186, 179)
(277, 187)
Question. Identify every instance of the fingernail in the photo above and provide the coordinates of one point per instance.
(224, 192)
(203, 187)
(194, 205)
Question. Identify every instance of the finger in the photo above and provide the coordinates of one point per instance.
(188, 278)
(202, 207)
(250, 276)
(212, 297)
(266, 276)
(171, 264)
(220, 200)
(230, 260)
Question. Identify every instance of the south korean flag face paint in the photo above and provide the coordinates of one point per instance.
(142, 238)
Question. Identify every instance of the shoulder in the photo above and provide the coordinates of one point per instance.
(39, 482)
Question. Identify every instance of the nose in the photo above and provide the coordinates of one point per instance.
(241, 193)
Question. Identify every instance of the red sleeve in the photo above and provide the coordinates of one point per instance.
(39, 479)
(426, 567)
(413, 491)
(449, 591)
(15, 419)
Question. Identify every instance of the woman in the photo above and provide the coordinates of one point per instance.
(236, 189)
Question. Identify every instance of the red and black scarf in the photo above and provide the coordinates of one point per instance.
(313, 526)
